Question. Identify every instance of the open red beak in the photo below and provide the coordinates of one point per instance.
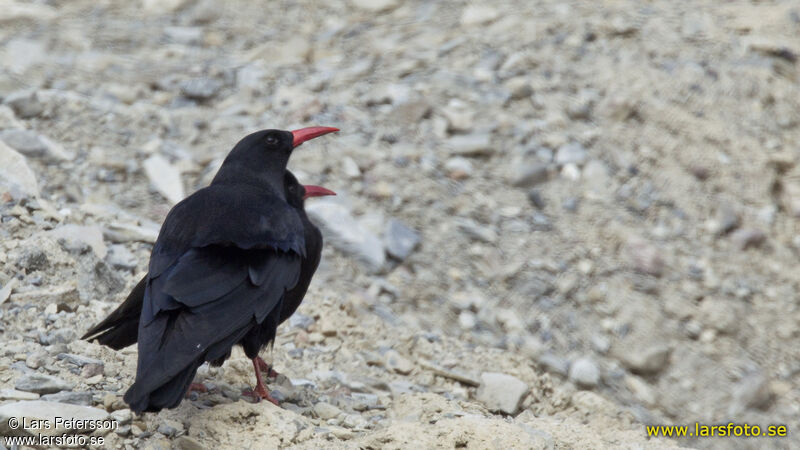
(306, 134)
(316, 191)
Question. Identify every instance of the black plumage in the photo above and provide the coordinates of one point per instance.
(232, 261)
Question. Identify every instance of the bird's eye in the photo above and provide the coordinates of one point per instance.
(271, 139)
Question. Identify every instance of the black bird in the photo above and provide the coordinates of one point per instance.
(231, 262)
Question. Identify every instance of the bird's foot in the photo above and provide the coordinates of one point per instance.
(258, 394)
(268, 370)
(196, 387)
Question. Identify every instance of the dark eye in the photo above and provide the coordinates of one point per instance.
(271, 139)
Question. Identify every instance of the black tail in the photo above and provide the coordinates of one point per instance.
(121, 328)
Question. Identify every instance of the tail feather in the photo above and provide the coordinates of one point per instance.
(120, 328)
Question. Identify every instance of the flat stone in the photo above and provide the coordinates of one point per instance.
(16, 177)
(376, 5)
(33, 145)
(78, 360)
(73, 398)
(474, 144)
(501, 392)
(201, 89)
(42, 384)
(400, 240)
(529, 174)
(398, 363)
(477, 14)
(647, 360)
(13, 394)
(165, 178)
(348, 235)
(477, 231)
(48, 412)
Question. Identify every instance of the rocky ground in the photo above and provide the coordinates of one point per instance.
(556, 221)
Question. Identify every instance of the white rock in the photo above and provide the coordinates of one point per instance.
(15, 175)
(572, 152)
(91, 235)
(501, 392)
(162, 6)
(326, 411)
(165, 178)
(470, 144)
(347, 234)
(350, 168)
(584, 372)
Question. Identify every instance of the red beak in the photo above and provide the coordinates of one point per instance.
(316, 191)
(306, 134)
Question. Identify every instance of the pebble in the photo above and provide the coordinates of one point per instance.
(396, 362)
(400, 239)
(585, 373)
(164, 177)
(647, 359)
(184, 35)
(42, 384)
(641, 390)
(78, 360)
(350, 168)
(458, 168)
(644, 257)
(16, 176)
(25, 104)
(49, 411)
(476, 231)
(119, 257)
(753, 391)
(529, 174)
(473, 144)
(571, 153)
(13, 394)
(477, 14)
(189, 443)
(554, 363)
(326, 411)
(348, 235)
(501, 392)
(376, 5)
(201, 89)
(748, 238)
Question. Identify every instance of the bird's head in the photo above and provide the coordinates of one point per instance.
(263, 155)
(296, 193)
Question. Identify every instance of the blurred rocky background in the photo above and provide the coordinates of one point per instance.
(556, 221)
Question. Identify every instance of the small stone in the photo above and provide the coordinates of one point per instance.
(585, 373)
(36, 359)
(184, 35)
(501, 392)
(458, 168)
(748, 238)
(477, 14)
(376, 5)
(346, 234)
(644, 257)
(474, 144)
(467, 320)
(753, 391)
(119, 257)
(42, 384)
(78, 360)
(25, 104)
(201, 89)
(529, 174)
(326, 411)
(164, 177)
(460, 116)
(553, 363)
(350, 168)
(571, 153)
(647, 359)
(170, 428)
(720, 314)
(535, 198)
(641, 390)
(400, 240)
(477, 231)
(398, 363)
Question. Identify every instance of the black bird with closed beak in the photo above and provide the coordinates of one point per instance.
(231, 262)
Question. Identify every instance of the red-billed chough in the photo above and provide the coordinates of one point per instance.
(231, 262)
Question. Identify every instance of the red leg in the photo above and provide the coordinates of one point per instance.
(260, 391)
(266, 367)
(196, 387)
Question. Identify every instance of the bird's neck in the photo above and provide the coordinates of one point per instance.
(267, 177)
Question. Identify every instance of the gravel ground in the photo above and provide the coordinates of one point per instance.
(556, 221)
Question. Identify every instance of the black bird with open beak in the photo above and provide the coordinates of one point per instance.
(231, 262)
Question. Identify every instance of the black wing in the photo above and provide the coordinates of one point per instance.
(200, 307)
